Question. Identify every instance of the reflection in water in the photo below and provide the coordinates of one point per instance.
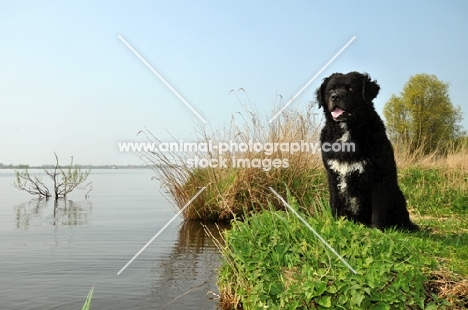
(187, 275)
(42, 212)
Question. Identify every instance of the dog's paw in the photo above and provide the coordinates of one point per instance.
(377, 226)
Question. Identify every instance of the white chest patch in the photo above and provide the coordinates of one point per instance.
(346, 135)
(344, 169)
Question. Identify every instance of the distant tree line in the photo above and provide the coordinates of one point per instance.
(25, 166)
(11, 166)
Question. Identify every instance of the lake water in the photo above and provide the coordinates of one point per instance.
(50, 257)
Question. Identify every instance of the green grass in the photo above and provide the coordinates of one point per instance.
(87, 303)
(436, 192)
(438, 200)
(271, 260)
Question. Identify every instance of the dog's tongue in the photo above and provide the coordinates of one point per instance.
(337, 112)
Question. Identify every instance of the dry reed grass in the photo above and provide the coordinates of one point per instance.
(234, 190)
(455, 156)
(449, 286)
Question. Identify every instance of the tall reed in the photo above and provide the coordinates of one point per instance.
(237, 189)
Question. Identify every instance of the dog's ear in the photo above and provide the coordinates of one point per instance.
(370, 89)
(320, 93)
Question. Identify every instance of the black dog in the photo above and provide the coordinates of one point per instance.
(358, 157)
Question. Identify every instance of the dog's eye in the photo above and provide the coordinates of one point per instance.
(349, 87)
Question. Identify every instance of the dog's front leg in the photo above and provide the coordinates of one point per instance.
(335, 203)
(380, 204)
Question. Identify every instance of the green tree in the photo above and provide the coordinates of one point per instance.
(423, 116)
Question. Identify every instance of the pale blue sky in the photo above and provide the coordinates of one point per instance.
(67, 83)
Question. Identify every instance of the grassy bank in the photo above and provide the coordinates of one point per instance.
(271, 260)
(274, 262)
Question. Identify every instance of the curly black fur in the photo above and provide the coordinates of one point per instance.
(363, 183)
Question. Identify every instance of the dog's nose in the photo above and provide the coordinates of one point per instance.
(335, 97)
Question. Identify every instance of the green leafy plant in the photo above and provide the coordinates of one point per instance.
(271, 260)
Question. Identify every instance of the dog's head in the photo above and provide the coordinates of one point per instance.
(342, 96)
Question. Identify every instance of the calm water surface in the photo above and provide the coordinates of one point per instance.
(50, 257)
